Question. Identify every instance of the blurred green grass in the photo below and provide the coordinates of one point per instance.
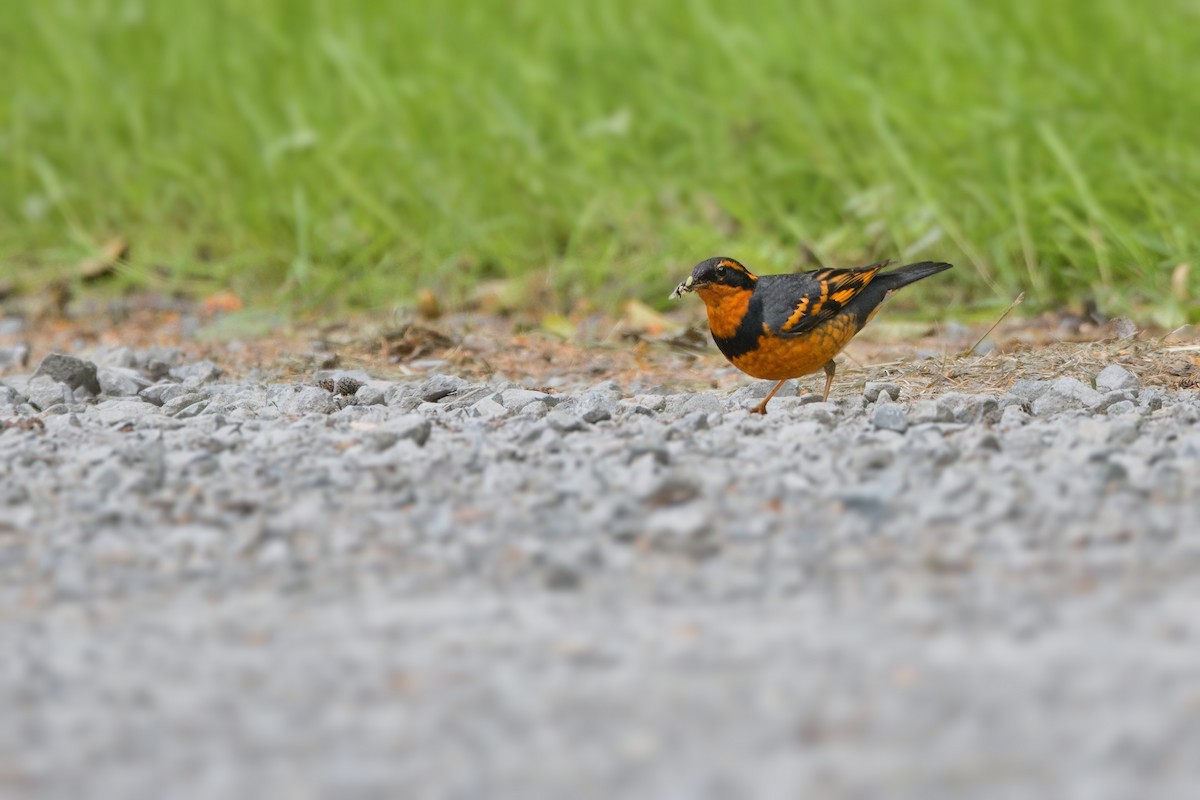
(333, 154)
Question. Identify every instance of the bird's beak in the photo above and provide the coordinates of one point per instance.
(686, 286)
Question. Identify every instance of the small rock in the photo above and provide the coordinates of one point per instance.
(1013, 417)
(870, 457)
(890, 417)
(368, 395)
(164, 392)
(704, 402)
(926, 411)
(1152, 397)
(873, 388)
(196, 373)
(976, 438)
(537, 408)
(695, 421)
(192, 410)
(411, 427)
(1052, 403)
(115, 357)
(112, 412)
(1111, 398)
(45, 392)
(121, 381)
(488, 408)
(439, 386)
(14, 355)
(969, 407)
(347, 387)
(403, 396)
(1121, 407)
(74, 372)
(644, 403)
(564, 421)
(297, 399)
(156, 362)
(11, 397)
(1077, 391)
(517, 399)
(822, 413)
(1115, 378)
(1124, 430)
(686, 529)
(180, 402)
(594, 407)
(1029, 390)
(562, 577)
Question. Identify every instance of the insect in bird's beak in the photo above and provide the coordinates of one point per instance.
(686, 286)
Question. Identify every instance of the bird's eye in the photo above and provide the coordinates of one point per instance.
(722, 272)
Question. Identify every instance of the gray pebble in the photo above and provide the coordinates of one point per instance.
(1077, 391)
(1122, 407)
(368, 395)
(1029, 390)
(1115, 378)
(439, 386)
(1152, 397)
(119, 356)
(73, 371)
(1013, 417)
(121, 381)
(44, 392)
(297, 399)
(516, 399)
(180, 402)
(14, 356)
(113, 412)
(1052, 403)
(564, 421)
(410, 427)
(489, 408)
(161, 393)
(968, 407)
(872, 390)
(928, 411)
(196, 373)
(703, 402)
(891, 417)
(188, 411)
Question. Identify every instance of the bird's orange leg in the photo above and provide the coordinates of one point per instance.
(830, 367)
(761, 408)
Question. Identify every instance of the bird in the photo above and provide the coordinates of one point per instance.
(779, 327)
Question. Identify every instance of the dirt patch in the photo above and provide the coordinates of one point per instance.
(672, 352)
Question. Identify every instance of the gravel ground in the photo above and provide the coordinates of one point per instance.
(440, 589)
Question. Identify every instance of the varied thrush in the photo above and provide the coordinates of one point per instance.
(780, 327)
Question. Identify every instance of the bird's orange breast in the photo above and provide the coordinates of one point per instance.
(777, 358)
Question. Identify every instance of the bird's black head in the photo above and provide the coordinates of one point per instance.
(717, 272)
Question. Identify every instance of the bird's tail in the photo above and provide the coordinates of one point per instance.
(910, 273)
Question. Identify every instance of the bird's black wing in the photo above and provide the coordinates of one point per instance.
(795, 304)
